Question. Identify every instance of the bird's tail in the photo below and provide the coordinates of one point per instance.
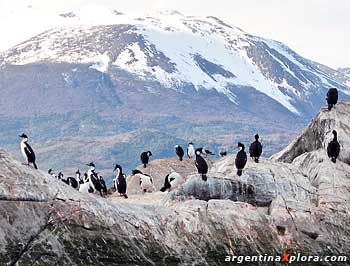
(330, 106)
(239, 172)
(334, 160)
(256, 159)
(204, 177)
(180, 158)
(35, 166)
(163, 189)
(145, 165)
(125, 196)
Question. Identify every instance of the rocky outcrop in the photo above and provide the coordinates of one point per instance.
(305, 209)
(319, 133)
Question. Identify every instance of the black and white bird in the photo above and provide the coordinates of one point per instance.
(179, 152)
(79, 178)
(333, 148)
(27, 151)
(223, 153)
(146, 181)
(94, 180)
(145, 158)
(201, 165)
(51, 173)
(71, 181)
(172, 181)
(241, 159)
(103, 185)
(205, 152)
(120, 181)
(255, 149)
(332, 98)
(190, 151)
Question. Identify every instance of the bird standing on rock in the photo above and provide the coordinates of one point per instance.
(255, 149)
(201, 165)
(119, 181)
(190, 150)
(241, 159)
(146, 181)
(172, 181)
(179, 152)
(27, 151)
(145, 158)
(332, 98)
(333, 148)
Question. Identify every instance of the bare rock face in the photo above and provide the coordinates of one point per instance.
(319, 133)
(274, 207)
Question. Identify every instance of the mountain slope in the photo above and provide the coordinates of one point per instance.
(108, 89)
(178, 51)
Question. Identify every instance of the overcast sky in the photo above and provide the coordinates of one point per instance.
(317, 29)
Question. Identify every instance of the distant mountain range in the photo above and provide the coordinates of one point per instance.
(107, 91)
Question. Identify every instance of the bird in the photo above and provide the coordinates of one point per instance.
(27, 151)
(241, 159)
(333, 148)
(146, 181)
(223, 153)
(103, 185)
(51, 173)
(60, 176)
(172, 181)
(94, 180)
(255, 149)
(179, 152)
(332, 98)
(119, 181)
(145, 158)
(78, 177)
(201, 165)
(190, 150)
(205, 152)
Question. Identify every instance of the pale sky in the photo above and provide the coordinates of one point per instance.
(316, 29)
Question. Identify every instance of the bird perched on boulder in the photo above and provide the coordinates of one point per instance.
(190, 150)
(201, 165)
(241, 159)
(205, 152)
(27, 151)
(119, 181)
(223, 153)
(172, 181)
(332, 98)
(145, 158)
(179, 152)
(333, 148)
(255, 149)
(146, 181)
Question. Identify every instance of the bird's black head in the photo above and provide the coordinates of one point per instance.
(91, 164)
(149, 153)
(117, 166)
(241, 145)
(77, 172)
(135, 172)
(199, 150)
(23, 136)
(191, 143)
(49, 171)
(256, 136)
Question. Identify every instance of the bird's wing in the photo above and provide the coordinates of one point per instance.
(29, 152)
(329, 149)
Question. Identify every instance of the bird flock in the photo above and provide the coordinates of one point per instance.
(91, 181)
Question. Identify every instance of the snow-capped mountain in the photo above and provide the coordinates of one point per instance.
(104, 86)
(180, 51)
